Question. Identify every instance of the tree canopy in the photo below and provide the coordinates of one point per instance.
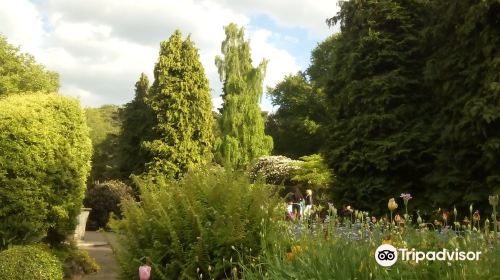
(19, 72)
(241, 123)
(413, 101)
(138, 120)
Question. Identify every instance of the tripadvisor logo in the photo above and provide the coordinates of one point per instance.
(387, 255)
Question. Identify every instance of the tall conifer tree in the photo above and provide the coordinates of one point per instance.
(242, 125)
(181, 102)
(137, 127)
(376, 140)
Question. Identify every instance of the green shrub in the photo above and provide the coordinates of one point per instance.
(44, 162)
(74, 260)
(104, 199)
(29, 262)
(313, 173)
(194, 226)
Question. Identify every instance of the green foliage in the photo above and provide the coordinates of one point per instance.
(74, 261)
(312, 171)
(414, 101)
(138, 121)
(104, 125)
(340, 248)
(242, 127)
(297, 125)
(29, 262)
(105, 198)
(194, 226)
(463, 71)
(378, 101)
(44, 164)
(322, 57)
(181, 101)
(340, 258)
(20, 73)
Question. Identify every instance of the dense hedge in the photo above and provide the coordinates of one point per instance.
(104, 199)
(194, 226)
(29, 262)
(44, 162)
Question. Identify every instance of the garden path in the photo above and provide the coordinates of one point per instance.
(97, 244)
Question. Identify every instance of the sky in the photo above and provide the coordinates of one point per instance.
(100, 47)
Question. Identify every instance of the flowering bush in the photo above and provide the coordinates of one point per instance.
(275, 170)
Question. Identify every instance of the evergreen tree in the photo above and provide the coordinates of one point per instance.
(181, 102)
(138, 120)
(464, 73)
(377, 135)
(242, 125)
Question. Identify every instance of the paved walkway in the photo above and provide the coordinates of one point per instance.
(96, 243)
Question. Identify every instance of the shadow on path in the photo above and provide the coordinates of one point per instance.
(96, 243)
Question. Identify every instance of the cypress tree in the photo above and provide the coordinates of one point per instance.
(181, 102)
(137, 126)
(242, 125)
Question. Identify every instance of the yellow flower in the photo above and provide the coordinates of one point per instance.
(387, 241)
(296, 249)
(392, 205)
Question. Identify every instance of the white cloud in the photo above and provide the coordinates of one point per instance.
(22, 23)
(280, 62)
(311, 15)
(100, 48)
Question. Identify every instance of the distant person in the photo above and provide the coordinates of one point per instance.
(290, 215)
(308, 202)
(298, 199)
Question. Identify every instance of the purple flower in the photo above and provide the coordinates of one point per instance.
(406, 196)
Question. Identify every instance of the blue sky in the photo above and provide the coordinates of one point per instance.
(99, 48)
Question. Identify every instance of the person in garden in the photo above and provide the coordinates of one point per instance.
(298, 199)
(289, 211)
(308, 202)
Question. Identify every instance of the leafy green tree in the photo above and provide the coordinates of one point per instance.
(377, 134)
(296, 126)
(138, 120)
(19, 72)
(44, 164)
(181, 102)
(322, 60)
(242, 126)
(464, 73)
(104, 124)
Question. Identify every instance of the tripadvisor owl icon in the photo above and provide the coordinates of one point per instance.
(386, 255)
